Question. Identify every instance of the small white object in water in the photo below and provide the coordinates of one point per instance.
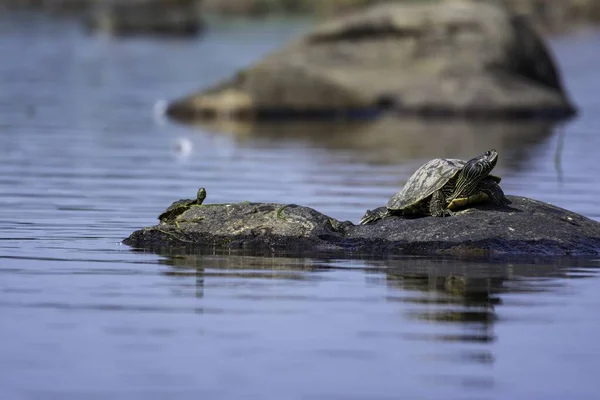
(183, 146)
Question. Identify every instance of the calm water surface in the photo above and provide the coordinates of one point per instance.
(85, 161)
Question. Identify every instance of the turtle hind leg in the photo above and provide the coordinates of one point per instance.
(374, 215)
(437, 205)
(494, 192)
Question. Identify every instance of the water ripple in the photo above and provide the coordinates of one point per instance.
(84, 161)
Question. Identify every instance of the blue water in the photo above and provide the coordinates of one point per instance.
(86, 159)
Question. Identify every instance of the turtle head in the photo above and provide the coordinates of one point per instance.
(483, 164)
(201, 195)
(473, 172)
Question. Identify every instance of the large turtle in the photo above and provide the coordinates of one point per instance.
(180, 206)
(444, 184)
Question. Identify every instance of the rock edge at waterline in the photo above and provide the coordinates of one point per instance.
(527, 227)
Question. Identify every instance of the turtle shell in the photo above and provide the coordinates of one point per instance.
(183, 203)
(178, 207)
(426, 180)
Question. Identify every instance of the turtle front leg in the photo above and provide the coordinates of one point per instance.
(437, 205)
(494, 192)
(374, 215)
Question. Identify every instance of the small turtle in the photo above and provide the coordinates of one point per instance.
(181, 206)
(442, 185)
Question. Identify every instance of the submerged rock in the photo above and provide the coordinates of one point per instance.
(454, 58)
(527, 227)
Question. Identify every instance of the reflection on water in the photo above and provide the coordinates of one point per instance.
(393, 140)
(218, 324)
(84, 162)
(449, 320)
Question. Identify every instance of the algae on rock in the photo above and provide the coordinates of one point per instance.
(527, 227)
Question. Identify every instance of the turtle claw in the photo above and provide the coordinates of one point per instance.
(445, 213)
(373, 215)
(368, 218)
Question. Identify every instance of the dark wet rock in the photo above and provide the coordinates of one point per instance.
(455, 58)
(155, 17)
(528, 227)
(258, 226)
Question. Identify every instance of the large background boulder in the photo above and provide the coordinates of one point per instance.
(458, 58)
(547, 15)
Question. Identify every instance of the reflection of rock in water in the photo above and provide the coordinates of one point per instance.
(463, 292)
(394, 140)
(243, 268)
(469, 302)
(240, 264)
(464, 300)
(203, 267)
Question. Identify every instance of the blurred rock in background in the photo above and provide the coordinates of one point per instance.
(163, 17)
(126, 17)
(558, 15)
(546, 15)
(456, 58)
